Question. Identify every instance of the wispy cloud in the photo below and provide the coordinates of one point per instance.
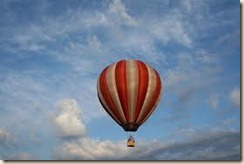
(118, 10)
(52, 54)
(235, 97)
(5, 138)
(227, 148)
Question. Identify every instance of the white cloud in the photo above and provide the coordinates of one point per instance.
(23, 95)
(117, 9)
(140, 41)
(37, 36)
(235, 97)
(93, 149)
(86, 148)
(170, 28)
(68, 119)
(81, 146)
(94, 43)
(174, 78)
(81, 38)
(21, 84)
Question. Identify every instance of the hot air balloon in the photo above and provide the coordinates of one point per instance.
(129, 91)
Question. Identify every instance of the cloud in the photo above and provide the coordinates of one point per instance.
(86, 148)
(221, 143)
(91, 149)
(36, 139)
(222, 146)
(5, 138)
(235, 97)
(8, 144)
(186, 82)
(229, 122)
(43, 36)
(37, 36)
(20, 156)
(68, 119)
(171, 28)
(20, 85)
(117, 9)
(196, 76)
(18, 103)
(218, 147)
(62, 45)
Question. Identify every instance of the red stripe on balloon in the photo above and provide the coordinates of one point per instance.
(121, 84)
(106, 94)
(142, 88)
(107, 110)
(153, 100)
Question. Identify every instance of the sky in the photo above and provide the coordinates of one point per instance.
(52, 53)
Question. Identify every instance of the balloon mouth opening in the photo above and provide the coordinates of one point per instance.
(131, 127)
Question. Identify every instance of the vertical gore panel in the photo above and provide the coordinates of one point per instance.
(152, 81)
(106, 95)
(120, 77)
(111, 83)
(132, 87)
(142, 87)
(154, 99)
(103, 102)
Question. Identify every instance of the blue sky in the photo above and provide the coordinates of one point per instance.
(52, 53)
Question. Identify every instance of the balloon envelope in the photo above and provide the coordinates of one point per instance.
(129, 90)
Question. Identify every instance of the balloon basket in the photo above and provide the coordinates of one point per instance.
(131, 142)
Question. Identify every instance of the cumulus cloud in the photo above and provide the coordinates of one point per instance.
(78, 145)
(77, 39)
(204, 148)
(235, 97)
(92, 149)
(68, 119)
(193, 145)
(86, 148)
